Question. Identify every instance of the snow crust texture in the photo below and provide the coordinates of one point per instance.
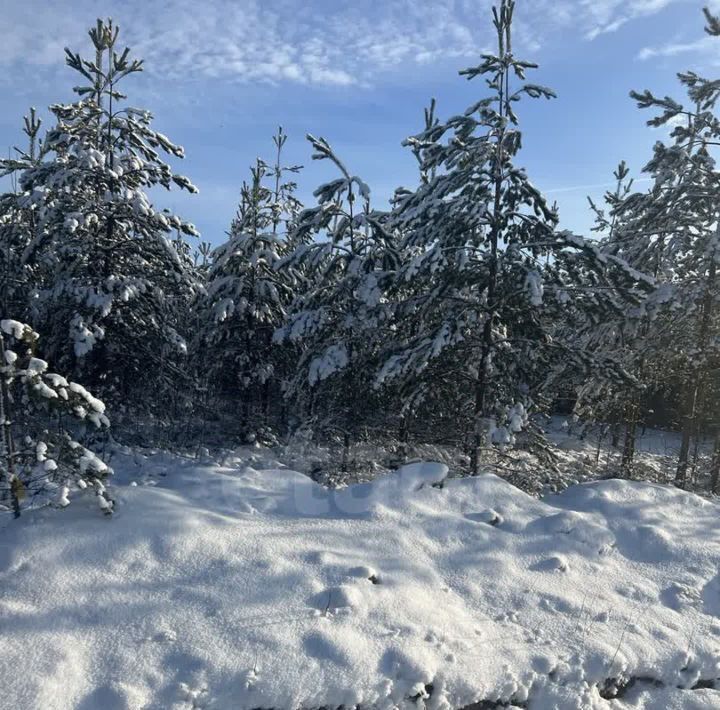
(229, 587)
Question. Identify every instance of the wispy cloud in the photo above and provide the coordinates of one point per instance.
(250, 40)
(699, 44)
(604, 16)
(315, 43)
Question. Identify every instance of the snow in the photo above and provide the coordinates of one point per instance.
(63, 500)
(534, 285)
(13, 327)
(333, 359)
(228, 586)
(94, 403)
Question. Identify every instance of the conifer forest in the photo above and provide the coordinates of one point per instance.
(437, 451)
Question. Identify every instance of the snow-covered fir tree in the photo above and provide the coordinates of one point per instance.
(341, 255)
(41, 414)
(247, 297)
(18, 227)
(617, 404)
(488, 275)
(672, 231)
(110, 272)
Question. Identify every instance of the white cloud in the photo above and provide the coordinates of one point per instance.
(319, 42)
(670, 50)
(604, 16)
(702, 44)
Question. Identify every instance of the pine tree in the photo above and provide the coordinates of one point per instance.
(489, 275)
(41, 413)
(247, 297)
(626, 337)
(673, 232)
(18, 226)
(341, 254)
(111, 271)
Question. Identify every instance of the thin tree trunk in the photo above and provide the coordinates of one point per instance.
(697, 441)
(628, 455)
(346, 452)
(403, 438)
(715, 466)
(687, 430)
(481, 429)
(690, 419)
(15, 484)
(482, 418)
(601, 436)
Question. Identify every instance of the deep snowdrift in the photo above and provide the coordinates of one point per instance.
(226, 587)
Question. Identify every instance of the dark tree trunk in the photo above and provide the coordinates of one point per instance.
(482, 415)
(690, 423)
(15, 484)
(715, 466)
(628, 455)
(687, 430)
(346, 452)
(403, 439)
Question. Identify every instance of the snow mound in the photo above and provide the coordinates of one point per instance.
(223, 587)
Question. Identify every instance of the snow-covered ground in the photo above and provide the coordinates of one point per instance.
(224, 586)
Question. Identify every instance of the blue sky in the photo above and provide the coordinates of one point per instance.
(222, 74)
